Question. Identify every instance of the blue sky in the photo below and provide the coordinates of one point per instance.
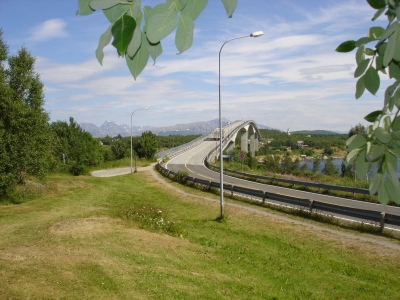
(289, 78)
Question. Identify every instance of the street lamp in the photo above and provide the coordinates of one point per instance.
(221, 167)
(146, 108)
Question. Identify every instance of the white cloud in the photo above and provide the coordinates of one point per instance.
(49, 29)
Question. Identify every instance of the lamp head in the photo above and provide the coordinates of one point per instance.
(146, 108)
(257, 34)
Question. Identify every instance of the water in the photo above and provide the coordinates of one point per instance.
(338, 164)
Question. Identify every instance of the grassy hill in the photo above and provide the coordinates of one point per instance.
(135, 237)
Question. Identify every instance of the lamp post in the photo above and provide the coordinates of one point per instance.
(221, 167)
(146, 108)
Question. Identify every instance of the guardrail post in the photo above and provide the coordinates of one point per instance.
(264, 196)
(310, 205)
(232, 190)
(382, 222)
(209, 186)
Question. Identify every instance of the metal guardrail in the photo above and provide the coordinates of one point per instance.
(310, 205)
(294, 182)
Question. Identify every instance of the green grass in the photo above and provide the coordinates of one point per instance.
(81, 239)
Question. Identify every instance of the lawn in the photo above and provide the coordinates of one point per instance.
(132, 237)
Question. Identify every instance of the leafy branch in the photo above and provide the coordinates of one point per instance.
(381, 147)
(137, 30)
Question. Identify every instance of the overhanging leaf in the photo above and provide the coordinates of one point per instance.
(375, 32)
(383, 135)
(396, 124)
(122, 31)
(377, 4)
(162, 21)
(351, 156)
(389, 31)
(104, 4)
(378, 14)
(346, 46)
(362, 41)
(391, 48)
(139, 61)
(383, 195)
(230, 6)
(361, 68)
(393, 188)
(184, 33)
(376, 181)
(105, 39)
(355, 141)
(154, 49)
(193, 8)
(371, 80)
(360, 87)
(372, 117)
(378, 153)
(360, 55)
(115, 12)
(135, 42)
(361, 166)
(83, 8)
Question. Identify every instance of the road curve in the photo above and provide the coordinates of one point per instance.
(192, 161)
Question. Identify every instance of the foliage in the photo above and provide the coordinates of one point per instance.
(329, 168)
(180, 176)
(120, 147)
(137, 30)
(316, 164)
(147, 145)
(385, 129)
(288, 165)
(271, 163)
(358, 129)
(25, 147)
(81, 150)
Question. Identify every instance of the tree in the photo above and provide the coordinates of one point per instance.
(358, 129)
(78, 146)
(25, 147)
(384, 56)
(316, 164)
(137, 30)
(120, 147)
(271, 163)
(329, 168)
(147, 145)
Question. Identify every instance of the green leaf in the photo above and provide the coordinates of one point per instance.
(184, 33)
(360, 70)
(378, 153)
(362, 41)
(135, 42)
(360, 55)
(396, 124)
(389, 31)
(375, 32)
(115, 12)
(370, 52)
(361, 166)
(104, 4)
(393, 187)
(122, 31)
(194, 8)
(162, 21)
(351, 156)
(378, 14)
(230, 6)
(139, 61)
(386, 123)
(355, 141)
(395, 136)
(391, 160)
(372, 117)
(391, 48)
(394, 69)
(383, 195)
(383, 135)
(379, 63)
(346, 46)
(360, 87)
(382, 48)
(371, 80)
(396, 36)
(375, 183)
(154, 49)
(84, 8)
(105, 39)
(377, 4)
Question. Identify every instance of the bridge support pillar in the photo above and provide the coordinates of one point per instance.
(244, 141)
(253, 140)
(230, 146)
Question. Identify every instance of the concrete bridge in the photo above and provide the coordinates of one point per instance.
(248, 133)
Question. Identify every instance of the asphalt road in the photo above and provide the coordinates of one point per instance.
(192, 161)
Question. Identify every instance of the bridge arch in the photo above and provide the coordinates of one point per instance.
(249, 134)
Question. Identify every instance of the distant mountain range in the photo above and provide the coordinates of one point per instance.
(315, 132)
(112, 128)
